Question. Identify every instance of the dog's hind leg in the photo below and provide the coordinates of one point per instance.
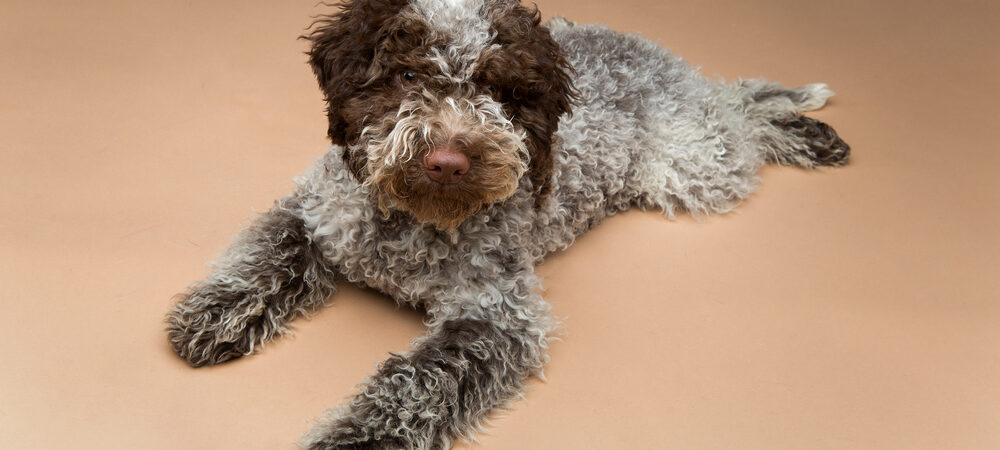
(702, 153)
(805, 142)
(465, 368)
(787, 136)
(272, 274)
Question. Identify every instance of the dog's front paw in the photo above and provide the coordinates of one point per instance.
(354, 444)
(203, 330)
(341, 428)
(334, 437)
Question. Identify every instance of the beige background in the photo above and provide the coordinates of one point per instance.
(848, 308)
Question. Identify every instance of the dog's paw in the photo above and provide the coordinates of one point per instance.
(321, 438)
(339, 429)
(820, 144)
(370, 444)
(204, 332)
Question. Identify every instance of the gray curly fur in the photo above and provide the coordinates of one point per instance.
(272, 274)
(647, 131)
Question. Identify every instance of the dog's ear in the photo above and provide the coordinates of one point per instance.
(550, 89)
(343, 49)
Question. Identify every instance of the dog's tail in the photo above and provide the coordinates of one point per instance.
(787, 136)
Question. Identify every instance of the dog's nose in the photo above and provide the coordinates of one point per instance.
(446, 166)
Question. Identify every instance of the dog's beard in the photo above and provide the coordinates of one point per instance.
(476, 126)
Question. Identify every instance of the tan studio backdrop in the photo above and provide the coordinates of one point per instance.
(853, 308)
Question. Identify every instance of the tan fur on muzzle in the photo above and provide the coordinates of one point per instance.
(473, 125)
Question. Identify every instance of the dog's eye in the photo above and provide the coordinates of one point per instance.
(408, 76)
(492, 89)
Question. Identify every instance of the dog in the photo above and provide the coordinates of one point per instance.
(470, 141)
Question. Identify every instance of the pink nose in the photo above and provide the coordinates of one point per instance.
(446, 166)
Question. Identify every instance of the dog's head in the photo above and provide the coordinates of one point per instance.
(443, 106)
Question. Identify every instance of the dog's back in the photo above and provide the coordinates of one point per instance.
(649, 131)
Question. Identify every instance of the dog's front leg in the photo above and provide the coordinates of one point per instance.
(272, 274)
(441, 390)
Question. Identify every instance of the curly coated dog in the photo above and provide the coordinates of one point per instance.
(469, 142)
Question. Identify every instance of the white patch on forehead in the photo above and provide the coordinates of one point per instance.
(464, 23)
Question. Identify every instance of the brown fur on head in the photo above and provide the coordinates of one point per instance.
(403, 78)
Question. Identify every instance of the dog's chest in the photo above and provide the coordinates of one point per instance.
(413, 263)
(417, 265)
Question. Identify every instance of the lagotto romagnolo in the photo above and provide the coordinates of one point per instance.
(469, 142)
